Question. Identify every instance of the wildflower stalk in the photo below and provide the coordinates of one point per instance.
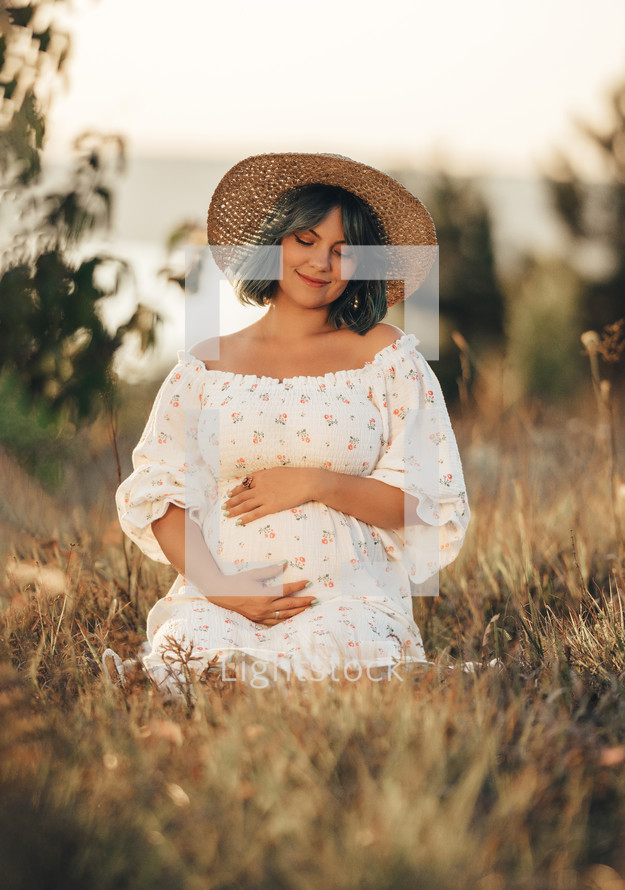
(464, 381)
(112, 418)
(593, 344)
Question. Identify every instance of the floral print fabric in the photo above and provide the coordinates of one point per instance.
(385, 421)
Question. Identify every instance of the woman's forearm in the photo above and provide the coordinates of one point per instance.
(368, 500)
(183, 544)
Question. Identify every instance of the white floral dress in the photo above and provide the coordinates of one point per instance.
(385, 421)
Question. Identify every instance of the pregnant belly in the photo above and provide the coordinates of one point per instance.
(320, 544)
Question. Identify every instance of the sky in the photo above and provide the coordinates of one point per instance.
(480, 87)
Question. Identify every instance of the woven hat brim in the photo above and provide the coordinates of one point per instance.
(249, 190)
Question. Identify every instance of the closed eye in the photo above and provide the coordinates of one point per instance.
(342, 250)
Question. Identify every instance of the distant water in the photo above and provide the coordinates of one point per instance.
(156, 195)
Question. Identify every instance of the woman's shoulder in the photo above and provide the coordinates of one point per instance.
(382, 335)
(388, 343)
(221, 353)
(206, 351)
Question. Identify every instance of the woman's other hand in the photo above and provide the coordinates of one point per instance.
(272, 490)
(242, 593)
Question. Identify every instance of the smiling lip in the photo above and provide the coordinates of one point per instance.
(314, 282)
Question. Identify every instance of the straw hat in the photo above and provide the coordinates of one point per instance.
(248, 191)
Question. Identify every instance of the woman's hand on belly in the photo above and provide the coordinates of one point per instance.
(241, 593)
(273, 490)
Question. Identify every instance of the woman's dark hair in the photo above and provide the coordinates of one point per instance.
(363, 302)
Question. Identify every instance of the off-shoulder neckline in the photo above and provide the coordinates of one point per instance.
(186, 357)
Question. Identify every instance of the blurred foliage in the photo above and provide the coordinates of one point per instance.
(594, 216)
(32, 46)
(471, 298)
(182, 269)
(56, 354)
(544, 349)
(44, 445)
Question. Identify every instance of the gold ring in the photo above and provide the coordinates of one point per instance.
(247, 482)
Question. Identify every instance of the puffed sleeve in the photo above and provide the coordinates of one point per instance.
(168, 465)
(418, 453)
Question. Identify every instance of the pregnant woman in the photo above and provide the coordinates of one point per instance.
(300, 473)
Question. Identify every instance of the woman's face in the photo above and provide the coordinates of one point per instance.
(316, 264)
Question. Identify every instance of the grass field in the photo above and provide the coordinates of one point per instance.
(502, 779)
